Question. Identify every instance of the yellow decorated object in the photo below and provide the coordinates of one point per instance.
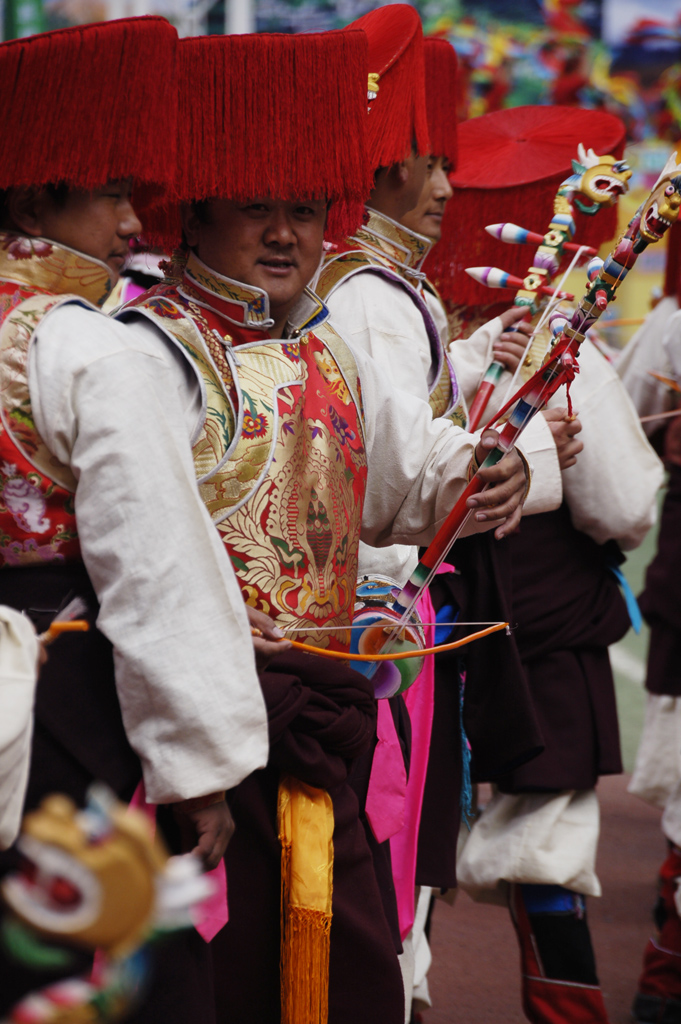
(661, 208)
(94, 890)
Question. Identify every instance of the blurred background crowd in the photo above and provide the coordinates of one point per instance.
(619, 55)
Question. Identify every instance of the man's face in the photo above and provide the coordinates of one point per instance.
(426, 217)
(99, 223)
(272, 244)
(416, 170)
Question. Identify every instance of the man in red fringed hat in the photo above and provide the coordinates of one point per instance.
(535, 843)
(376, 291)
(303, 446)
(96, 475)
(427, 845)
(372, 281)
(656, 347)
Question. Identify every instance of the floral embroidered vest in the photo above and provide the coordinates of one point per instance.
(280, 459)
(384, 247)
(37, 519)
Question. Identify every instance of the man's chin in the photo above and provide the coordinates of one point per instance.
(115, 267)
(431, 230)
(282, 288)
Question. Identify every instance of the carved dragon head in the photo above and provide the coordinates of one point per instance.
(661, 208)
(601, 179)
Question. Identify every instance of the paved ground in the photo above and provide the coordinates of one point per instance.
(475, 979)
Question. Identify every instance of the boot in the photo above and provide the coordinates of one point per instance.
(658, 1000)
(655, 1010)
(557, 962)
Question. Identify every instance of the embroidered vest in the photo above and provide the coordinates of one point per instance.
(280, 458)
(37, 518)
(384, 247)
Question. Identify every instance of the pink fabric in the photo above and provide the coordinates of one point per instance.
(139, 803)
(388, 781)
(213, 913)
(419, 699)
(131, 290)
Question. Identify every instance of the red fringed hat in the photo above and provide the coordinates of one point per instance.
(90, 104)
(672, 275)
(281, 116)
(510, 165)
(441, 97)
(395, 93)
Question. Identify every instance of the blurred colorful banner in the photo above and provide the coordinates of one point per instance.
(22, 18)
(621, 55)
(607, 54)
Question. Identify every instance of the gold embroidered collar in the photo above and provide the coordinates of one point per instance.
(243, 304)
(48, 267)
(403, 247)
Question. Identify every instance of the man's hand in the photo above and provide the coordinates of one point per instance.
(564, 428)
(507, 486)
(269, 639)
(210, 827)
(509, 347)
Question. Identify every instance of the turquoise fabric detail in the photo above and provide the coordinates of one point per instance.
(551, 899)
(635, 616)
(466, 785)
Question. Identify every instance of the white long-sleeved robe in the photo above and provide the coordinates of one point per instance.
(120, 406)
(611, 491)
(647, 351)
(18, 677)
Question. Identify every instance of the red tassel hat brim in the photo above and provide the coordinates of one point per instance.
(89, 105)
(510, 165)
(278, 116)
(672, 276)
(397, 113)
(441, 97)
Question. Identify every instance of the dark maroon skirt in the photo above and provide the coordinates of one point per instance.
(321, 718)
(568, 609)
(498, 712)
(79, 733)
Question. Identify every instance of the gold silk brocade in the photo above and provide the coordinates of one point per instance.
(37, 520)
(384, 243)
(305, 817)
(280, 462)
(281, 467)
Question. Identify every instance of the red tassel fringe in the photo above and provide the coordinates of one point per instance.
(272, 115)
(441, 97)
(90, 104)
(522, 156)
(397, 116)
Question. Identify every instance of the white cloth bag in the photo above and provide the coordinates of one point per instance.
(18, 676)
(657, 773)
(544, 839)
